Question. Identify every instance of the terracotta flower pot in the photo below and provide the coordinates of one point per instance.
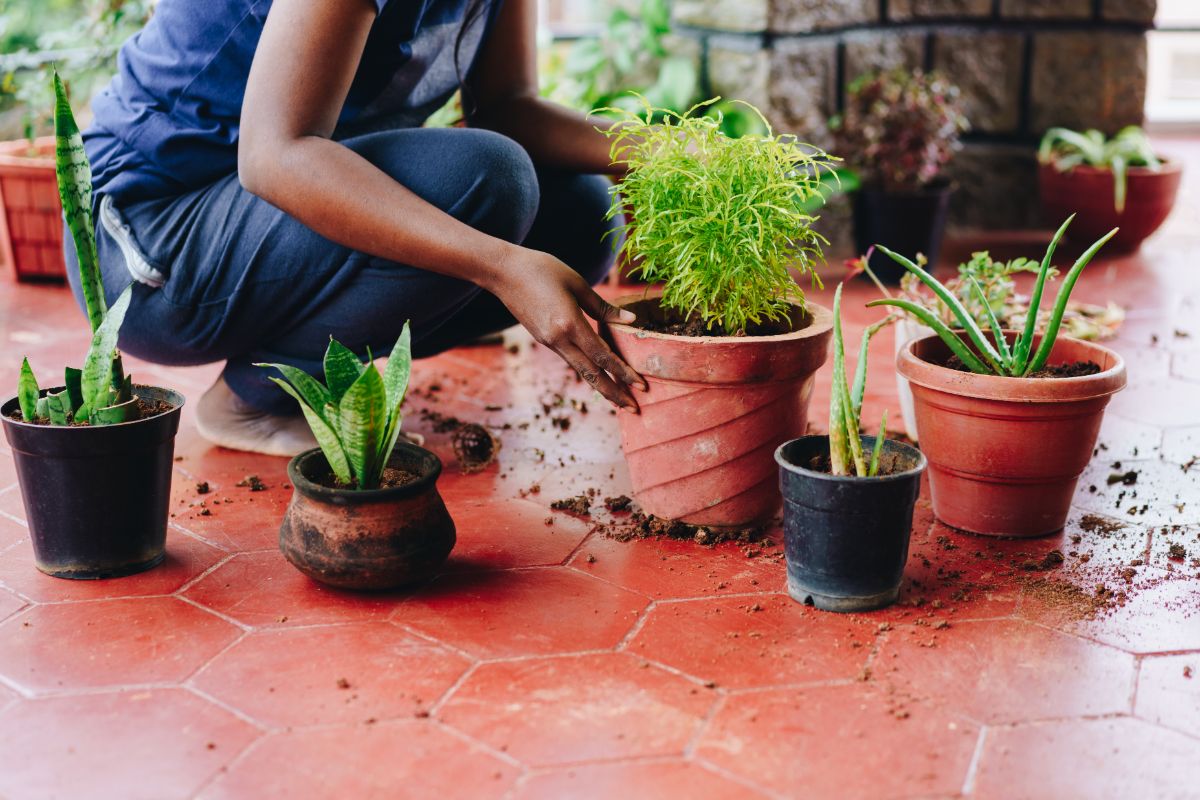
(1005, 453)
(1088, 191)
(375, 539)
(702, 448)
(31, 233)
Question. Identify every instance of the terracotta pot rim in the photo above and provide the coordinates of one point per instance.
(176, 399)
(1169, 167)
(430, 468)
(921, 464)
(822, 321)
(994, 387)
(12, 150)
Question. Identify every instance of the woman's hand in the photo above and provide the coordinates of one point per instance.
(549, 299)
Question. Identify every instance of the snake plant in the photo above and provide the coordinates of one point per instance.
(1067, 149)
(100, 393)
(355, 415)
(846, 455)
(997, 357)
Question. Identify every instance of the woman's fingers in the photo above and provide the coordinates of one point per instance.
(602, 311)
(616, 393)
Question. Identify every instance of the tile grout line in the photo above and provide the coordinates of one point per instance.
(973, 767)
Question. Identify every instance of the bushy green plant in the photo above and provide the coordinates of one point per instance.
(1067, 149)
(1017, 360)
(100, 393)
(355, 414)
(846, 455)
(718, 221)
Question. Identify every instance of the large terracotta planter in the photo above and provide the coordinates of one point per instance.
(702, 448)
(1005, 453)
(31, 233)
(1088, 192)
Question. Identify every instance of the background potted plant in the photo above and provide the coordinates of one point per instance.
(1009, 424)
(1110, 182)
(847, 499)
(94, 456)
(899, 132)
(728, 345)
(31, 232)
(365, 511)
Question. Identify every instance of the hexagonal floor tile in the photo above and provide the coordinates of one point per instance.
(997, 671)
(11, 532)
(1122, 439)
(263, 589)
(330, 674)
(1168, 692)
(1176, 548)
(743, 642)
(652, 779)
(11, 505)
(367, 762)
(578, 708)
(9, 603)
(538, 611)
(113, 642)
(1163, 403)
(1181, 445)
(157, 744)
(512, 533)
(839, 742)
(1163, 495)
(1100, 759)
(237, 519)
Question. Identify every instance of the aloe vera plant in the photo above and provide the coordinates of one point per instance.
(846, 455)
(997, 357)
(1067, 149)
(355, 415)
(100, 393)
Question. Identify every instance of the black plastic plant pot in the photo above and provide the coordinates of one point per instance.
(846, 538)
(908, 222)
(96, 497)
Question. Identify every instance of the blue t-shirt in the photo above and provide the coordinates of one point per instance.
(168, 121)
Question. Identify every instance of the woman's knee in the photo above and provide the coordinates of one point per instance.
(573, 223)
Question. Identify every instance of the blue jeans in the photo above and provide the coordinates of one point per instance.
(245, 282)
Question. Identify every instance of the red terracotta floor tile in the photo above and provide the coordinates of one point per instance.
(9, 603)
(758, 640)
(610, 478)
(839, 742)
(1163, 495)
(384, 761)
(512, 533)
(330, 674)
(1169, 692)
(186, 559)
(109, 643)
(1176, 548)
(649, 779)
(579, 708)
(11, 505)
(458, 488)
(1100, 759)
(969, 669)
(523, 612)
(237, 518)
(158, 744)
(11, 532)
(1123, 439)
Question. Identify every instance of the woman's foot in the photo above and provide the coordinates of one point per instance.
(226, 420)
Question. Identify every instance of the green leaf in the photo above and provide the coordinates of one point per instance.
(874, 468)
(342, 369)
(56, 406)
(397, 371)
(860, 369)
(948, 336)
(309, 390)
(73, 380)
(993, 323)
(1120, 171)
(42, 410)
(1025, 343)
(361, 424)
(327, 438)
(387, 443)
(116, 414)
(839, 435)
(27, 392)
(97, 379)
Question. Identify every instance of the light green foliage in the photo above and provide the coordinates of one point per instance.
(846, 455)
(996, 357)
(355, 415)
(719, 221)
(1067, 149)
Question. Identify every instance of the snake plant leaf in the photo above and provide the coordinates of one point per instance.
(117, 413)
(56, 406)
(75, 190)
(97, 378)
(42, 410)
(397, 371)
(327, 438)
(342, 369)
(1024, 344)
(387, 444)
(309, 389)
(73, 380)
(27, 392)
(948, 336)
(361, 424)
(873, 470)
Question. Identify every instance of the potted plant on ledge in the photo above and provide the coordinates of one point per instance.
(93, 456)
(728, 345)
(1007, 424)
(848, 499)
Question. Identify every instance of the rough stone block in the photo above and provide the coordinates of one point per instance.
(883, 50)
(722, 15)
(987, 68)
(941, 9)
(996, 187)
(739, 73)
(802, 87)
(1141, 11)
(1088, 79)
(802, 16)
(1046, 9)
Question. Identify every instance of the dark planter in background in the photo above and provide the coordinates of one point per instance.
(908, 222)
(846, 538)
(96, 498)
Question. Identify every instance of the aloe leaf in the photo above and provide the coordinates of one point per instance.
(342, 369)
(117, 413)
(361, 424)
(1120, 171)
(56, 406)
(97, 378)
(27, 392)
(397, 370)
(973, 362)
(839, 445)
(309, 389)
(873, 470)
(1025, 342)
(1060, 303)
(993, 323)
(860, 369)
(75, 190)
(73, 380)
(851, 422)
(956, 307)
(327, 438)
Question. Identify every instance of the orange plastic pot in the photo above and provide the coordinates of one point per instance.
(1005, 453)
(702, 448)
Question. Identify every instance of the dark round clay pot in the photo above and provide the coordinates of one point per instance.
(1005, 453)
(96, 498)
(374, 539)
(845, 537)
(908, 222)
(1088, 192)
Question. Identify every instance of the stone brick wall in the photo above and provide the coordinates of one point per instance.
(1023, 65)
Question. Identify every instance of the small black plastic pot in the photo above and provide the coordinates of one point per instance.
(846, 538)
(908, 222)
(96, 497)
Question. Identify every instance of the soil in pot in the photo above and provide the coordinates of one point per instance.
(1075, 369)
(147, 407)
(651, 316)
